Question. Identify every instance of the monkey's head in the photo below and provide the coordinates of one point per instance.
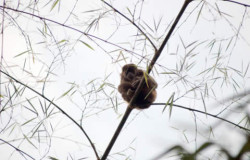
(129, 71)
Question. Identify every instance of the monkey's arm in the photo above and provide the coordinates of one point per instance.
(127, 90)
(124, 86)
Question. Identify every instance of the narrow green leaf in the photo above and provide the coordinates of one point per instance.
(101, 86)
(185, 137)
(29, 141)
(246, 70)
(229, 43)
(54, 4)
(86, 44)
(149, 92)
(13, 127)
(62, 41)
(32, 106)
(146, 78)
(65, 93)
(92, 81)
(53, 158)
(129, 12)
(21, 53)
(168, 73)
(200, 12)
(34, 132)
(171, 106)
(167, 102)
(28, 121)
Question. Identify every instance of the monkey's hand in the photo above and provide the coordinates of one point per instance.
(135, 83)
(124, 87)
(130, 92)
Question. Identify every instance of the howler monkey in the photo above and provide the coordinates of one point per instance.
(130, 79)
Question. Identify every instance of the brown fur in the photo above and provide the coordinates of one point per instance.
(130, 79)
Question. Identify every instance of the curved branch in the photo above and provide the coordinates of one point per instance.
(72, 28)
(60, 109)
(17, 149)
(77, 30)
(156, 56)
(132, 22)
(209, 114)
(245, 5)
(158, 53)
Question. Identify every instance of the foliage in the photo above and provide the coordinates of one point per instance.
(60, 66)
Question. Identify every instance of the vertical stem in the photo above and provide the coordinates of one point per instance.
(153, 61)
(117, 132)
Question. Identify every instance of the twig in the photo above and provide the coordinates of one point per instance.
(209, 114)
(63, 112)
(132, 22)
(153, 61)
(245, 5)
(72, 28)
(77, 30)
(17, 149)
(2, 32)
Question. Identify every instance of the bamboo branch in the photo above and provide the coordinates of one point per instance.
(153, 61)
(243, 4)
(17, 149)
(60, 109)
(209, 114)
(132, 22)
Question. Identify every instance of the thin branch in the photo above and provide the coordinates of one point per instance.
(245, 5)
(2, 32)
(60, 109)
(78, 30)
(72, 28)
(205, 113)
(17, 149)
(158, 53)
(132, 22)
(117, 132)
(71, 12)
(156, 56)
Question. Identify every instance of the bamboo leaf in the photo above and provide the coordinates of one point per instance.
(53, 158)
(54, 4)
(169, 100)
(86, 44)
(28, 121)
(171, 106)
(29, 141)
(146, 78)
(21, 53)
(65, 93)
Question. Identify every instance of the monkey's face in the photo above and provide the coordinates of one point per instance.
(129, 71)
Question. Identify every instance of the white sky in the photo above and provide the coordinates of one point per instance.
(151, 129)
